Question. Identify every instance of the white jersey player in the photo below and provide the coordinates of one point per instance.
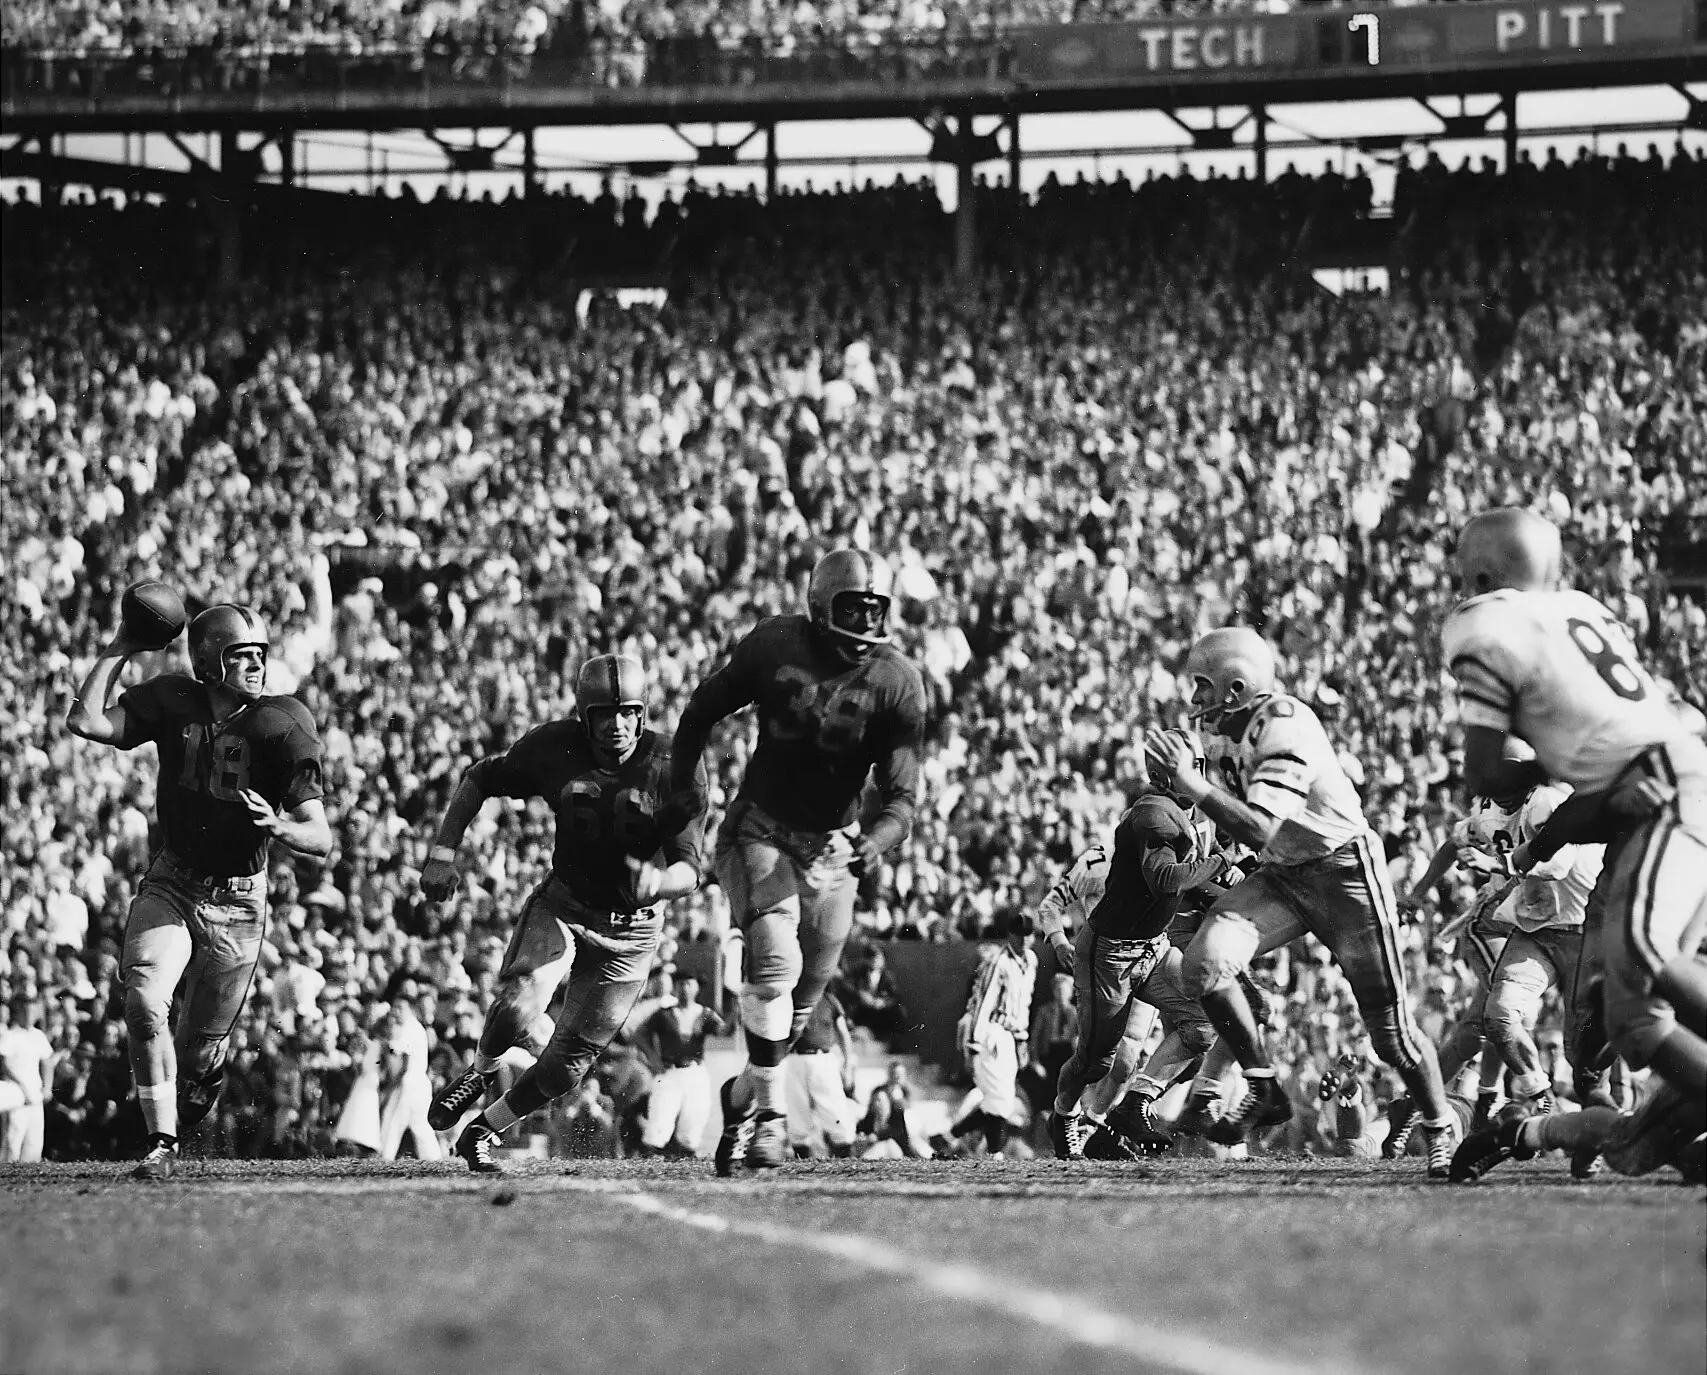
(1555, 668)
(1073, 897)
(1318, 870)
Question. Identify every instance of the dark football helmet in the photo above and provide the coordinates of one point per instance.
(610, 692)
(215, 633)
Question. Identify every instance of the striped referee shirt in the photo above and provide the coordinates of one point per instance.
(1002, 990)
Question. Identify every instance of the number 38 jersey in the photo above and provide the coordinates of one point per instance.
(824, 724)
(1285, 764)
(1557, 670)
(269, 747)
(604, 816)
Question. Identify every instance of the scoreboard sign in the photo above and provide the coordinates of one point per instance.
(1412, 39)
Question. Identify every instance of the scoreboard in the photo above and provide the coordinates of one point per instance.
(1411, 39)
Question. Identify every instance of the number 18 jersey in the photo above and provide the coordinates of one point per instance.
(1557, 670)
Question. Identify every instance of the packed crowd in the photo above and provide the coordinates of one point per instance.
(445, 481)
(610, 42)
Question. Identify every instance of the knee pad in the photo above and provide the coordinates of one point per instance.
(144, 1017)
(563, 1067)
(1195, 1037)
(1387, 1036)
(767, 1012)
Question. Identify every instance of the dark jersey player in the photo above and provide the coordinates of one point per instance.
(836, 705)
(1157, 859)
(237, 769)
(596, 919)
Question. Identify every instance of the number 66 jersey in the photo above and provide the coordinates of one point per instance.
(1557, 670)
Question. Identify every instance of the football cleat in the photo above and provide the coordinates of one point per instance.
(1141, 1128)
(737, 1134)
(1067, 1134)
(1264, 1104)
(1402, 1118)
(1441, 1142)
(1585, 1163)
(1656, 1133)
(196, 1099)
(1482, 1150)
(1198, 1116)
(160, 1160)
(1483, 1112)
(1106, 1144)
(769, 1145)
(457, 1097)
(475, 1145)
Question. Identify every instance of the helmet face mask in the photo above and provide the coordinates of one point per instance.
(610, 692)
(1231, 670)
(848, 600)
(228, 649)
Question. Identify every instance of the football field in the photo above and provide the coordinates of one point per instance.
(884, 1268)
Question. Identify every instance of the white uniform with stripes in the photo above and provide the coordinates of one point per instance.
(1556, 669)
(997, 1020)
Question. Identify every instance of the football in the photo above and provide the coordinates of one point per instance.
(153, 614)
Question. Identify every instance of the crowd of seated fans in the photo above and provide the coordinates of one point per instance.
(444, 478)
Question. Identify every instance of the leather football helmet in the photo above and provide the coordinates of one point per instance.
(1231, 670)
(1509, 547)
(215, 632)
(848, 600)
(611, 680)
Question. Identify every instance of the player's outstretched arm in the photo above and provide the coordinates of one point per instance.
(91, 716)
(439, 876)
(304, 828)
(1487, 771)
(1445, 858)
(1170, 760)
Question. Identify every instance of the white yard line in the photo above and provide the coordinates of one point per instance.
(1071, 1315)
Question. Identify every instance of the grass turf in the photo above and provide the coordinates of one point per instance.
(333, 1266)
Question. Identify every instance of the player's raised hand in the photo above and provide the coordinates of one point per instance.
(1169, 758)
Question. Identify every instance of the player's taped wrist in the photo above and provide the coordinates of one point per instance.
(442, 854)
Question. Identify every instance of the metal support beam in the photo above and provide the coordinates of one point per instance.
(965, 212)
(1508, 107)
(1013, 153)
(287, 156)
(1260, 114)
(770, 161)
(530, 165)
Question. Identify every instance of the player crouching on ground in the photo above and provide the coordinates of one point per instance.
(1318, 870)
(238, 769)
(596, 919)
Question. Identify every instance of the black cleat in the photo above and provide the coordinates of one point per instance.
(197, 1098)
(1402, 1119)
(768, 1147)
(160, 1160)
(1141, 1128)
(1067, 1133)
(1483, 1150)
(1442, 1142)
(1106, 1144)
(457, 1097)
(1197, 1118)
(737, 1132)
(475, 1147)
(1264, 1104)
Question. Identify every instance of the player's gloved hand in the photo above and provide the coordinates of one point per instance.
(1063, 951)
(439, 879)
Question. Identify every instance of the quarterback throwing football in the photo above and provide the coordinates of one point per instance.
(238, 769)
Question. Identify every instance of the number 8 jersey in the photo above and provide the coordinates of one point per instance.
(1557, 670)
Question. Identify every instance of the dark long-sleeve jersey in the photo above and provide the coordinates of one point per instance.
(824, 726)
(1157, 860)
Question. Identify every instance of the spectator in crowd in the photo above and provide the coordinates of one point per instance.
(868, 994)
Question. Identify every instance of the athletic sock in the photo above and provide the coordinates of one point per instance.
(500, 1117)
(159, 1103)
(1261, 1072)
(484, 1064)
(767, 1087)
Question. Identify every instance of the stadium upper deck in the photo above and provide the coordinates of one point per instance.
(118, 65)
